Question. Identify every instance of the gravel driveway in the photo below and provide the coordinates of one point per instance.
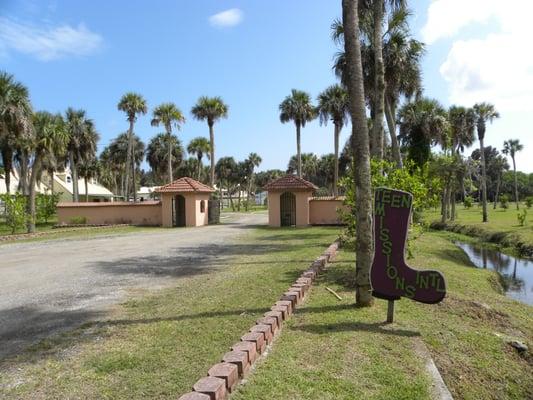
(46, 287)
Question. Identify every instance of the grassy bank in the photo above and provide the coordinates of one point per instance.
(331, 350)
(503, 227)
(159, 345)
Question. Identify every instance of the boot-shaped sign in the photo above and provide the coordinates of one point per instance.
(390, 276)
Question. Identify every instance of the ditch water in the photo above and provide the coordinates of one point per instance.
(517, 273)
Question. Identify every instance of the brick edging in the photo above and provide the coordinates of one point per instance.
(222, 378)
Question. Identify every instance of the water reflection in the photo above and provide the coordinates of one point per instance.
(517, 273)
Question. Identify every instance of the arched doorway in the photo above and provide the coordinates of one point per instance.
(179, 210)
(287, 209)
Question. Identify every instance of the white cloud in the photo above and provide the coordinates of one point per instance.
(49, 42)
(491, 64)
(228, 18)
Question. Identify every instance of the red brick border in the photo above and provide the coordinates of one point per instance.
(223, 377)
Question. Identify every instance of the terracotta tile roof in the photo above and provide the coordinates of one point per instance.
(185, 184)
(290, 182)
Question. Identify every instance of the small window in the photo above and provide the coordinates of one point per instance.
(202, 206)
(69, 180)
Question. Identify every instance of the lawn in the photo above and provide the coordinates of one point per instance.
(158, 345)
(502, 228)
(331, 350)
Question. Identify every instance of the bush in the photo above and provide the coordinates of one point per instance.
(468, 202)
(15, 211)
(504, 201)
(78, 221)
(522, 217)
(46, 205)
(529, 201)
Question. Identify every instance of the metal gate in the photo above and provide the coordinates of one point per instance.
(178, 210)
(288, 209)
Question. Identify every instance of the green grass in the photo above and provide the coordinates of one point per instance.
(40, 227)
(331, 350)
(502, 226)
(158, 345)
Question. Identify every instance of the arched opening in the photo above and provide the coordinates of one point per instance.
(179, 210)
(202, 206)
(287, 209)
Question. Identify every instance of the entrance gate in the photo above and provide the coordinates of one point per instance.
(288, 209)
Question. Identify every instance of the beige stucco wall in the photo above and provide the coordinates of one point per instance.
(325, 212)
(144, 213)
(302, 207)
(193, 216)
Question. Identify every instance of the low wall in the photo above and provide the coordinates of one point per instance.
(324, 210)
(146, 213)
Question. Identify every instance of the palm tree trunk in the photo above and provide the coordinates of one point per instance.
(498, 182)
(85, 180)
(74, 176)
(212, 150)
(30, 206)
(169, 138)
(7, 159)
(199, 167)
(133, 175)
(452, 202)
(51, 177)
(128, 161)
(390, 113)
(298, 150)
(379, 80)
(443, 204)
(483, 180)
(363, 190)
(24, 171)
(336, 173)
(515, 185)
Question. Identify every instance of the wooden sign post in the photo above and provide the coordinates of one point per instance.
(390, 276)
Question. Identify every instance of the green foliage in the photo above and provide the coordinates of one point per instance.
(46, 206)
(15, 211)
(79, 220)
(504, 201)
(468, 202)
(522, 217)
(529, 201)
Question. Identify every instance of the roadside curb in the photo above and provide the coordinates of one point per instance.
(222, 378)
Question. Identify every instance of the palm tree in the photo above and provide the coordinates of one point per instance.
(89, 169)
(168, 115)
(199, 146)
(82, 143)
(309, 165)
(49, 137)
(333, 105)
(484, 112)
(297, 107)
(423, 123)
(253, 161)
(499, 165)
(210, 109)
(511, 147)
(15, 120)
(363, 207)
(133, 104)
(158, 151)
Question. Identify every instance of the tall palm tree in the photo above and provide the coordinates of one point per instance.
(89, 169)
(199, 146)
(510, 148)
(363, 207)
(297, 107)
(253, 161)
(499, 165)
(210, 109)
(50, 136)
(168, 115)
(423, 123)
(333, 105)
(485, 112)
(133, 104)
(158, 151)
(15, 120)
(82, 143)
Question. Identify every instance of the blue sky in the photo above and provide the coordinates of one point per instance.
(87, 54)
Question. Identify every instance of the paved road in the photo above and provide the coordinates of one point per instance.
(46, 287)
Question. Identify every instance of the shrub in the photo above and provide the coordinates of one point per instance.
(15, 211)
(529, 201)
(522, 217)
(46, 206)
(468, 202)
(78, 220)
(504, 201)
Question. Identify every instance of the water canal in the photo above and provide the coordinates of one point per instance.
(517, 273)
